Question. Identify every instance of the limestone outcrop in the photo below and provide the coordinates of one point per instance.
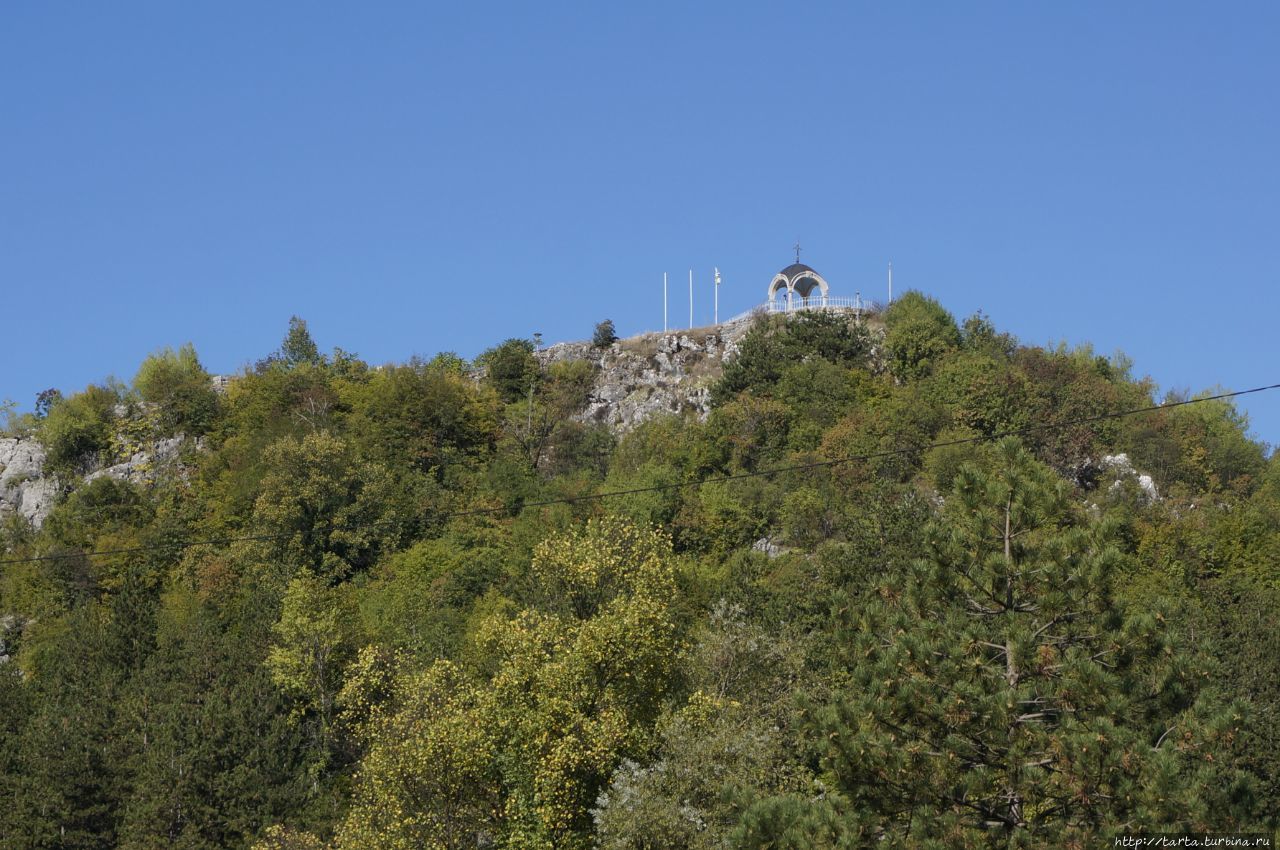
(652, 374)
(24, 488)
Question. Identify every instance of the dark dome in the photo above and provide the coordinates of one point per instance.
(795, 269)
(799, 279)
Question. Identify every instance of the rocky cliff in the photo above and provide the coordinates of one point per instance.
(24, 489)
(654, 373)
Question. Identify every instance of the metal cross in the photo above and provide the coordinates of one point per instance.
(797, 247)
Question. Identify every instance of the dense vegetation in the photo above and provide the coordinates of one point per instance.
(385, 643)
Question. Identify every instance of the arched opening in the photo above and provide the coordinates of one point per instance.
(797, 287)
(780, 294)
(804, 286)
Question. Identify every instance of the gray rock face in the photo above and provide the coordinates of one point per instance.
(144, 466)
(768, 547)
(24, 489)
(653, 374)
(1121, 468)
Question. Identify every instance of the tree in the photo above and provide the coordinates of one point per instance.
(46, 399)
(734, 740)
(511, 369)
(325, 510)
(772, 345)
(176, 383)
(1000, 694)
(71, 776)
(516, 750)
(918, 333)
(314, 640)
(76, 431)
(298, 346)
(215, 753)
(425, 415)
(604, 335)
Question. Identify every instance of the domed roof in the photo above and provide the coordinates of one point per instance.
(796, 269)
(798, 278)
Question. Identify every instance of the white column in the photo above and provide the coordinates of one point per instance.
(716, 314)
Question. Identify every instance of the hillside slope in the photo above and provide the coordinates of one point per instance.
(779, 582)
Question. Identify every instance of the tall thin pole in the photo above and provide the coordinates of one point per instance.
(717, 309)
(891, 281)
(664, 302)
(537, 346)
(690, 298)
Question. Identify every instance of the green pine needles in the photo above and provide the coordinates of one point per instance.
(1001, 696)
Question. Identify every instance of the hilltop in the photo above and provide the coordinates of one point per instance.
(779, 580)
(633, 379)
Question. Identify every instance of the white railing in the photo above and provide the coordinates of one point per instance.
(816, 302)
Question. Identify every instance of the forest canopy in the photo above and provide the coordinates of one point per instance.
(410, 622)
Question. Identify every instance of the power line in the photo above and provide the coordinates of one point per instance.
(740, 476)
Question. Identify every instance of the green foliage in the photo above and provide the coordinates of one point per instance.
(918, 333)
(604, 334)
(427, 414)
(323, 510)
(731, 743)
(751, 430)
(215, 752)
(419, 599)
(77, 430)
(511, 369)
(774, 344)
(179, 386)
(298, 346)
(1197, 448)
(987, 395)
(408, 621)
(1002, 681)
(979, 334)
(820, 392)
(315, 638)
(518, 755)
(1243, 616)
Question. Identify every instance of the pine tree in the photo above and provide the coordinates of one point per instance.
(298, 346)
(1000, 695)
(604, 335)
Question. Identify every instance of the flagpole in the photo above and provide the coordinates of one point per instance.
(690, 298)
(717, 308)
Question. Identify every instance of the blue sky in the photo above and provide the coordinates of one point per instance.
(417, 177)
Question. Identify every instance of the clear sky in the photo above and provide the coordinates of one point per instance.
(419, 177)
